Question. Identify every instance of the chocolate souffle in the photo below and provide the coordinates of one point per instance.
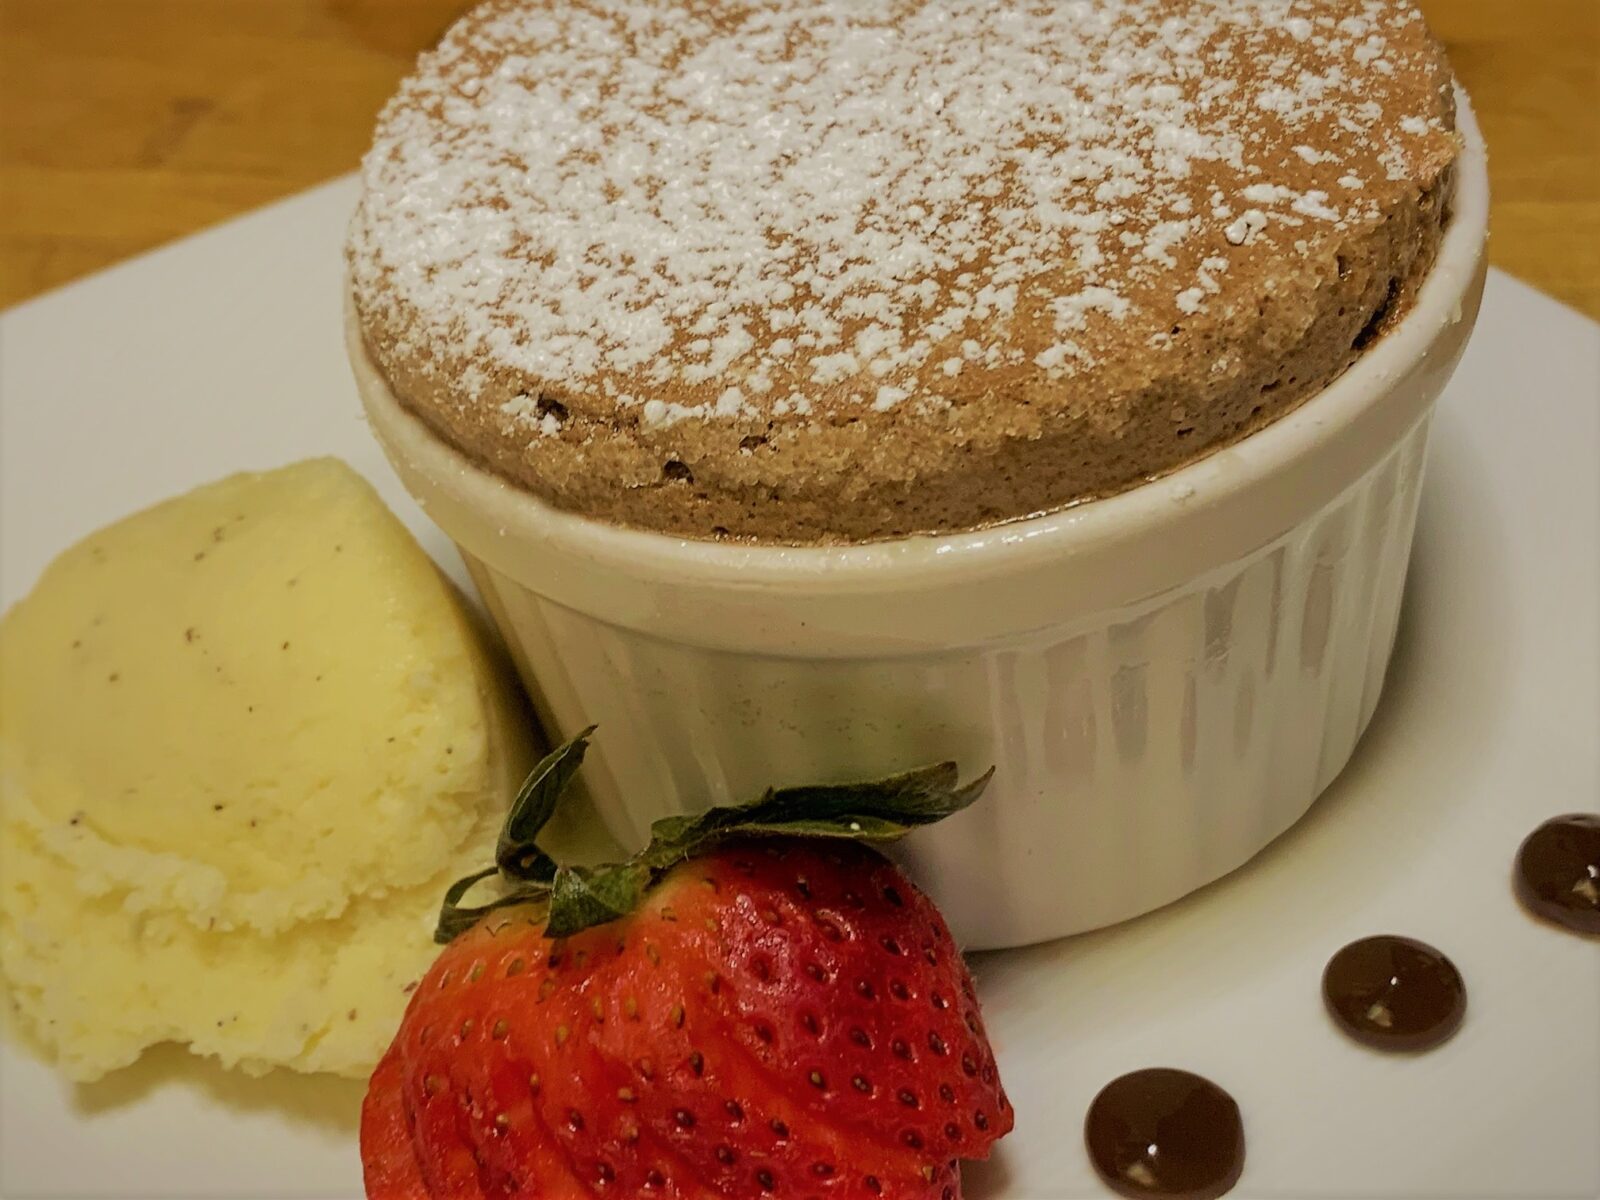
(823, 271)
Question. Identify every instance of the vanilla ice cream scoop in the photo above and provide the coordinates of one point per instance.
(247, 737)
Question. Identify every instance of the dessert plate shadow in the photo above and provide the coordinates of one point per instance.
(224, 352)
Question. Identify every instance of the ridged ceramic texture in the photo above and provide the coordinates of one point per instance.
(1141, 754)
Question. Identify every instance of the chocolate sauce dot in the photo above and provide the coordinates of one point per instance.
(1393, 993)
(1558, 872)
(1165, 1133)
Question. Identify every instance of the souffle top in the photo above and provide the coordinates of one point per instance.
(809, 271)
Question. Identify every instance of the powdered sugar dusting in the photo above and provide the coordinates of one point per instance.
(769, 208)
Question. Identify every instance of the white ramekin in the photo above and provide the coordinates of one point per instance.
(1165, 679)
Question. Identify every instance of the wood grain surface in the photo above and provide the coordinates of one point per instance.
(126, 123)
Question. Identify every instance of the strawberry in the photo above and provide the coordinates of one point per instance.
(737, 1011)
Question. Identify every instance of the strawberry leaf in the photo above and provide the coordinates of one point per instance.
(581, 897)
(454, 920)
(517, 854)
(878, 811)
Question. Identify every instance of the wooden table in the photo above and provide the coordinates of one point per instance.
(125, 123)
